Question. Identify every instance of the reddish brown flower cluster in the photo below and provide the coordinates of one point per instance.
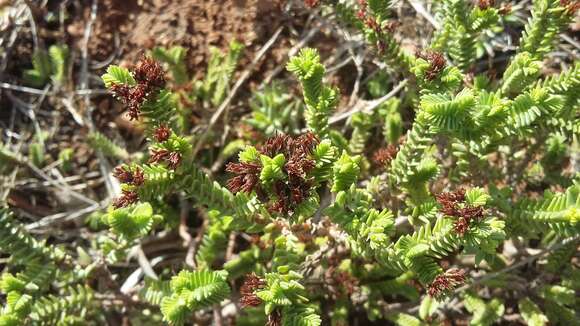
(127, 198)
(125, 175)
(372, 23)
(161, 155)
(450, 201)
(311, 3)
(383, 156)
(250, 285)
(437, 63)
(149, 76)
(275, 318)
(446, 282)
(298, 164)
(161, 133)
(485, 4)
(570, 5)
(247, 179)
(505, 9)
(453, 204)
(290, 192)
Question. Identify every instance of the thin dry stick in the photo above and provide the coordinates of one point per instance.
(420, 9)
(65, 216)
(184, 233)
(23, 89)
(367, 106)
(523, 262)
(245, 75)
(311, 33)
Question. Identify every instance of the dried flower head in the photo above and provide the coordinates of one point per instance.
(471, 212)
(290, 192)
(437, 63)
(247, 179)
(485, 4)
(446, 282)
(276, 145)
(505, 9)
(161, 133)
(159, 155)
(174, 160)
(275, 318)
(461, 225)
(150, 77)
(125, 175)
(132, 96)
(383, 156)
(162, 155)
(251, 283)
(449, 200)
(149, 72)
(453, 204)
(127, 198)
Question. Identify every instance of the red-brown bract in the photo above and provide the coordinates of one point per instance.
(437, 63)
(446, 282)
(161, 133)
(251, 284)
(383, 156)
(127, 198)
(290, 192)
(150, 78)
(453, 205)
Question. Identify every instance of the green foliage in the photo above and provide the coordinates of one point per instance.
(72, 305)
(221, 66)
(557, 212)
(59, 55)
(41, 67)
(273, 110)
(484, 313)
(191, 291)
(320, 99)
(104, 145)
(117, 76)
(548, 18)
(214, 240)
(65, 156)
(531, 313)
(392, 121)
(324, 238)
(131, 222)
(361, 123)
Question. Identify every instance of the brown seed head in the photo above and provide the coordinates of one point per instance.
(127, 198)
(250, 285)
(383, 156)
(446, 282)
(485, 4)
(437, 63)
(161, 133)
(275, 318)
(149, 72)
